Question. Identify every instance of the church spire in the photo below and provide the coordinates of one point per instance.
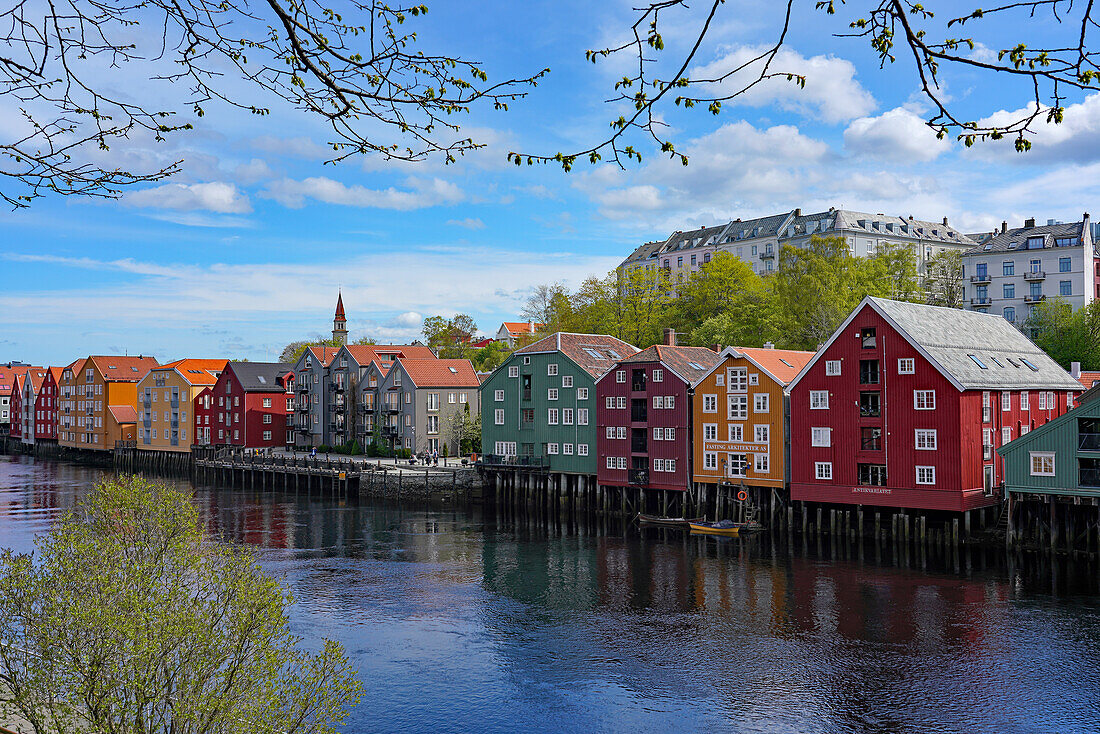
(340, 323)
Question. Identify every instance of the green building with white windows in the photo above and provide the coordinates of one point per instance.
(538, 409)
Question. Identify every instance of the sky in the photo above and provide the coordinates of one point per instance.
(246, 248)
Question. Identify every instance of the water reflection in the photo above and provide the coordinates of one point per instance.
(463, 622)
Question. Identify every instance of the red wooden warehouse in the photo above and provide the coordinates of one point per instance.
(905, 405)
(252, 401)
(643, 409)
(45, 410)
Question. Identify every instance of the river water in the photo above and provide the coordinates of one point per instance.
(465, 623)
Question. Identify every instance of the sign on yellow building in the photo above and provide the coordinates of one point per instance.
(740, 417)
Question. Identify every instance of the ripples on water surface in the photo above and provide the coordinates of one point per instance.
(463, 623)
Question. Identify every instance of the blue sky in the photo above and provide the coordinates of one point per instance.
(244, 250)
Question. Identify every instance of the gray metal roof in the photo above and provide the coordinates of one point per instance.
(881, 224)
(1017, 239)
(260, 376)
(950, 336)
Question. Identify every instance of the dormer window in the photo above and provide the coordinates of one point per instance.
(1035, 243)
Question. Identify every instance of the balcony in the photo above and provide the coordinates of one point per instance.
(336, 387)
(510, 460)
(364, 409)
(1088, 441)
(638, 476)
(768, 253)
(1035, 276)
(302, 387)
(391, 410)
(389, 430)
(981, 278)
(981, 302)
(1034, 298)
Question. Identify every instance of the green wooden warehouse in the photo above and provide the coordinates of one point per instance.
(1052, 481)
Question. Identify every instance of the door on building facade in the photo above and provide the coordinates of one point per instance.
(988, 480)
(736, 464)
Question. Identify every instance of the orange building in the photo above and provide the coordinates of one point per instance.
(741, 417)
(99, 401)
(165, 403)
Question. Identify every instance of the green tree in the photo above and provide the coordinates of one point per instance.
(491, 356)
(130, 619)
(1068, 336)
(641, 305)
(729, 299)
(595, 307)
(292, 352)
(943, 279)
(893, 267)
(548, 305)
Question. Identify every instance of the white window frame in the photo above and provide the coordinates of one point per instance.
(567, 380)
(760, 402)
(821, 436)
(741, 412)
(710, 431)
(832, 368)
(760, 463)
(1042, 456)
(551, 393)
(551, 369)
(552, 449)
(567, 416)
(710, 403)
(907, 365)
(582, 393)
(921, 400)
(823, 471)
(582, 416)
(658, 375)
(761, 433)
(1006, 401)
(513, 370)
(582, 449)
(929, 475)
(710, 461)
(552, 416)
(926, 436)
(1024, 400)
(498, 417)
(498, 396)
(1006, 434)
(620, 376)
(819, 399)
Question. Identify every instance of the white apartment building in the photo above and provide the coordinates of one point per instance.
(1011, 270)
(757, 241)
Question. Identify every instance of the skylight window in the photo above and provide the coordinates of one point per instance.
(988, 248)
(696, 366)
(786, 363)
(996, 361)
(593, 354)
(261, 379)
(613, 353)
(1031, 366)
(453, 370)
(977, 361)
(1013, 362)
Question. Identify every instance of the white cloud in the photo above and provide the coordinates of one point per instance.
(298, 147)
(468, 223)
(420, 194)
(1075, 140)
(896, 135)
(832, 92)
(215, 196)
(407, 320)
(253, 171)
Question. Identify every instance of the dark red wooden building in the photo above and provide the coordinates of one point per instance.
(251, 404)
(45, 409)
(204, 411)
(906, 404)
(643, 417)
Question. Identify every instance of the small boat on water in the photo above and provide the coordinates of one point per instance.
(668, 522)
(722, 527)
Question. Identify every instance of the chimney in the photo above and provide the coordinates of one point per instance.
(769, 345)
(1004, 227)
(1029, 223)
(945, 221)
(1075, 370)
(670, 337)
(798, 212)
(716, 347)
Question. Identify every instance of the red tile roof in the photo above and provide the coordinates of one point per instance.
(441, 372)
(123, 369)
(197, 371)
(783, 364)
(366, 353)
(521, 327)
(1088, 379)
(124, 413)
(324, 354)
(7, 373)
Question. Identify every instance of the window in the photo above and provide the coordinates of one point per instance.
(738, 379)
(658, 434)
(1023, 400)
(925, 439)
(1042, 401)
(552, 393)
(551, 369)
(498, 417)
(552, 449)
(754, 379)
(1010, 314)
(710, 403)
(1008, 267)
(1042, 463)
(873, 475)
(926, 475)
(906, 366)
(609, 402)
(433, 400)
(552, 416)
(1069, 399)
(761, 461)
(670, 401)
(823, 470)
(1009, 290)
(582, 416)
(719, 379)
(1064, 265)
(710, 431)
(1065, 288)
(870, 438)
(620, 403)
(1006, 401)
(735, 432)
(267, 417)
(658, 375)
(582, 393)
(567, 381)
(737, 407)
(567, 416)
(868, 372)
(582, 449)
(609, 432)
(408, 398)
(760, 403)
(527, 360)
(819, 399)
(710, 460)
(832, 368)
(867, 337)
(760, 434)
(513, 371)
(450, 398)
(821, 437)
(670, 434)
(267, 402)
(498, 396)
(1006, 434)
(620, 376)
(567, 449)
(924, 399)
(620, 432)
